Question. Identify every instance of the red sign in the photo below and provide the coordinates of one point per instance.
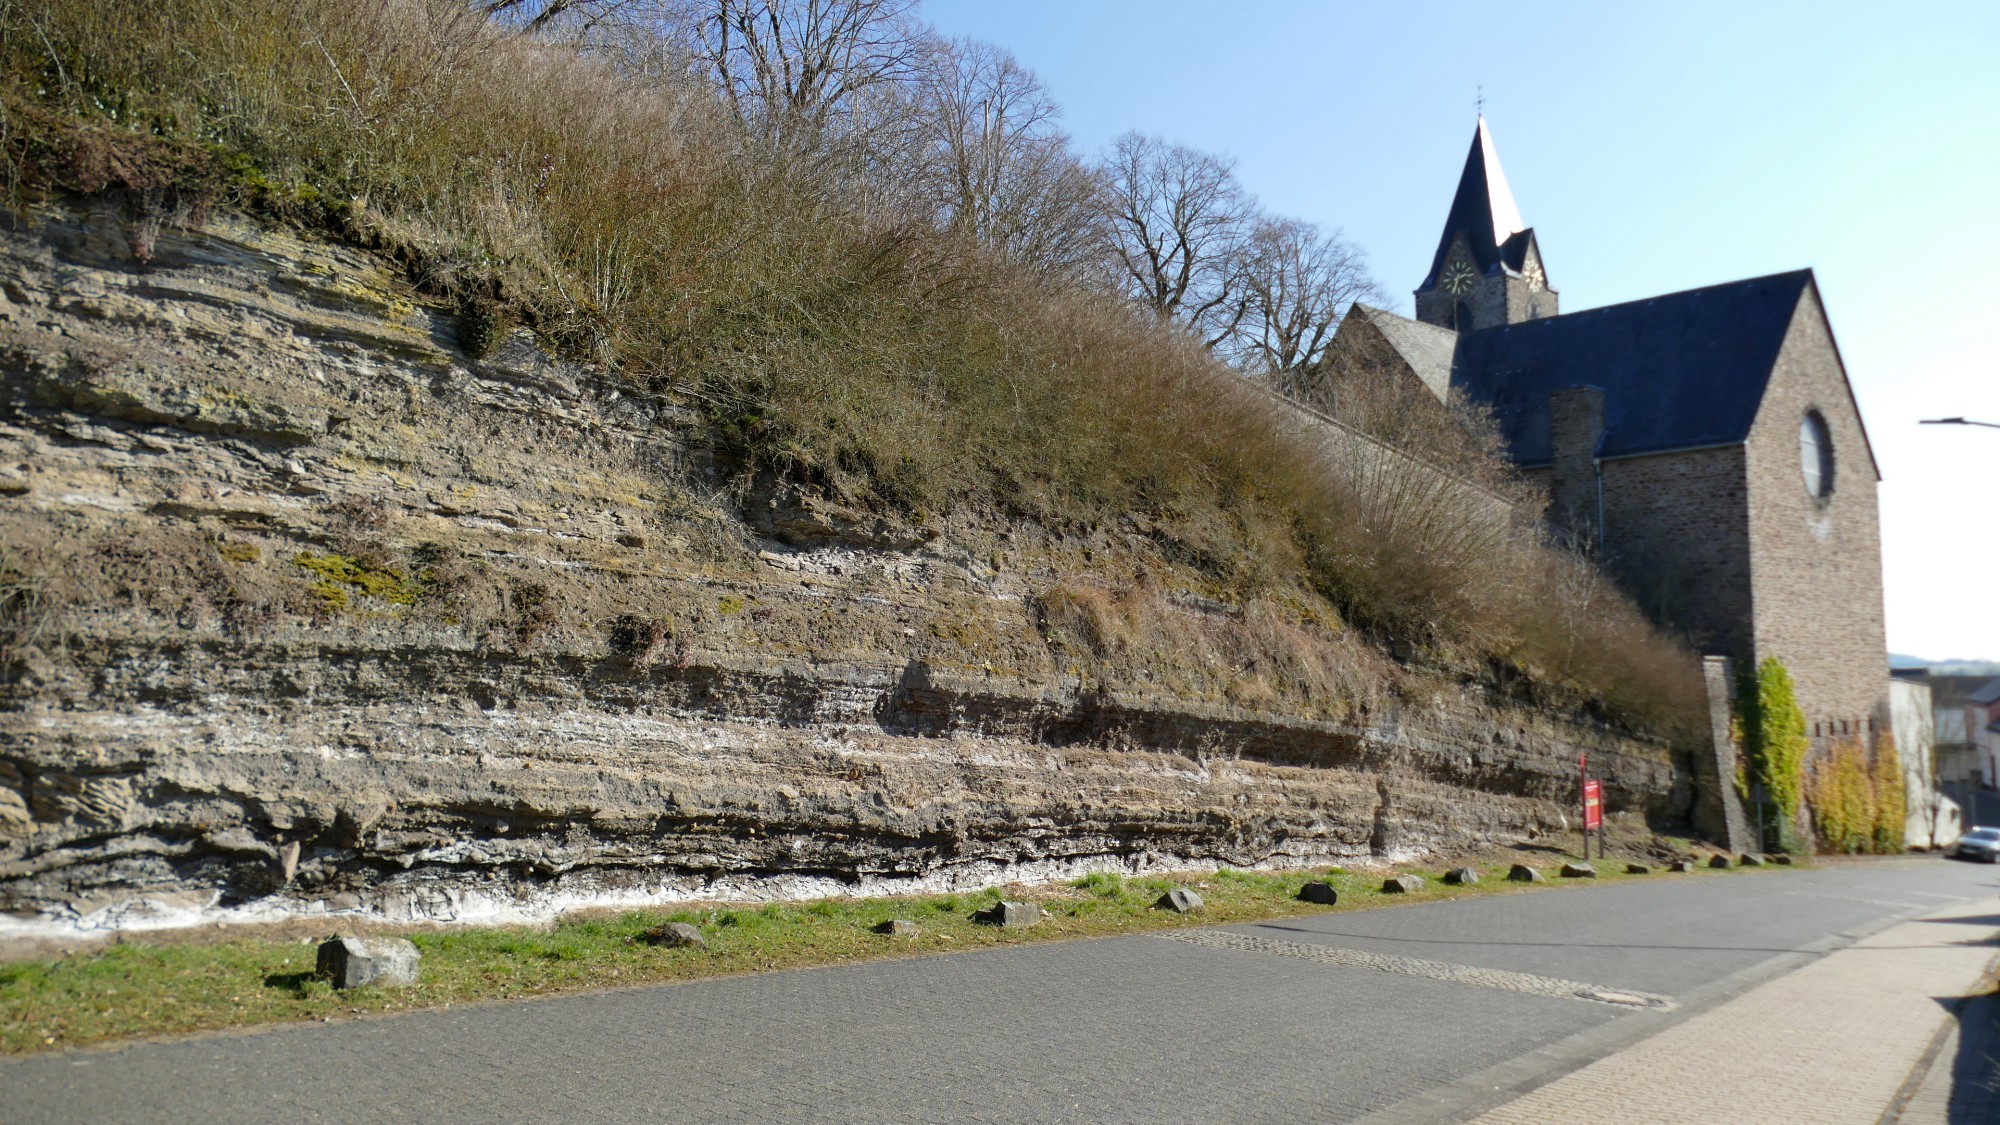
(1593, 805)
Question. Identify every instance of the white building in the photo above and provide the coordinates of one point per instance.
(1982, 733)
(1932, 819)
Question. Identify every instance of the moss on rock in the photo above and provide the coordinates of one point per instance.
(340, 575)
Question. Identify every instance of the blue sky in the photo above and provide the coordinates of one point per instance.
(1653, 148)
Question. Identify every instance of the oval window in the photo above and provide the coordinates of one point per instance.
(1816, 454)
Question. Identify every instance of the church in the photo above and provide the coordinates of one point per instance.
(1705, 446)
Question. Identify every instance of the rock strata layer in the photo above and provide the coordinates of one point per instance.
(307, 611)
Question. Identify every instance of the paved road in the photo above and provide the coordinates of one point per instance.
(1425, 1012)
(1846, 1040)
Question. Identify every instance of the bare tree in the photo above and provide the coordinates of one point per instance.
(992, 163)
(900, 124)
(788, 68)
(1297, 281)
(576, 16)
(1181, 224)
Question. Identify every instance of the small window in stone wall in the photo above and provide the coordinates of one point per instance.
(1816, 455)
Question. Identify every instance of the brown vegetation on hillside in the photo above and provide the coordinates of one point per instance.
(890, 281)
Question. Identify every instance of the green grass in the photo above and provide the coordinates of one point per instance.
(161, 985)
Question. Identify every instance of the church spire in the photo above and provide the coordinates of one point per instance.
(1487, 269)
(1483, 208)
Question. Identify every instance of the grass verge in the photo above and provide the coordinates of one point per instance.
(163, 986)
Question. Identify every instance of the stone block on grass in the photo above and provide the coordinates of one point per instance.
(1402, 884)
(1461, 876)
(356, 962)
(1579, 871)
(1750, 859)
(898, 927)
(1320, 893)
(1011, 915)
(1637, 869)
(1681, 865)
(1782, 860)
(674, 935)
(1180, 900)
(1719, 861)
(1522, 873)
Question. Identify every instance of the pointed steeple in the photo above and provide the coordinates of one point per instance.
(1487, 269)
(1483, 209)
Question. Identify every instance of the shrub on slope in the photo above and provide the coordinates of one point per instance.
(630, 220)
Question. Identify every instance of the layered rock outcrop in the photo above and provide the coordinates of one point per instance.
(304, 608)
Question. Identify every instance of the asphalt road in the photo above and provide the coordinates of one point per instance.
(1415, 1013)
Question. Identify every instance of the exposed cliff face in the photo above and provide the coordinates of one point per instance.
(304, 609)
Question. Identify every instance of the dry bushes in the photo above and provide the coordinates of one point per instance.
(1365, 383)
(630, 219)
(1266, 652)
(1444, 549)
(33, 597)
(52, 581)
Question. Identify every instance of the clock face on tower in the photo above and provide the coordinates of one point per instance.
(1457, 278)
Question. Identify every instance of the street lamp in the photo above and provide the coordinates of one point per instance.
(1956, 422)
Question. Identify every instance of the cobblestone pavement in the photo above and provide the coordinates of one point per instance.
(1833, 1042)
(1958, 1082)
(1131, 1029)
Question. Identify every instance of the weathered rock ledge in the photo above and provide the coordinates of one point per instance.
(304, 610)
(712, 780)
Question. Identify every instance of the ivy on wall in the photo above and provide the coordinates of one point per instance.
(1854, 793)
(1773, 733)
(1892, 808)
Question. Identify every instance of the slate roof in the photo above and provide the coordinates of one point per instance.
(1678, 372)
(1483, 207)
(1514, 251)
(1987, 695)
(1425, 347)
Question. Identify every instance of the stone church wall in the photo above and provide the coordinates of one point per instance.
(1727, 546)
(1675, 534)
(1816, 565)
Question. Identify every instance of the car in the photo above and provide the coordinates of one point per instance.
(1981, 844)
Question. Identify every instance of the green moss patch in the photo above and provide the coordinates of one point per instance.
(341, 577)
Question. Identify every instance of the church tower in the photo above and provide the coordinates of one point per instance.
(1487, 270)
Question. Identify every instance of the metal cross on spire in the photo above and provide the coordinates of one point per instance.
(1479, 103)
